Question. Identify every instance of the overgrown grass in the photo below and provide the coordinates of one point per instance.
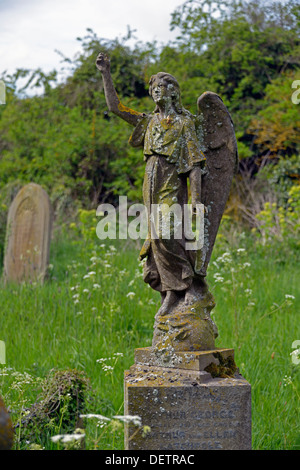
(95, 309)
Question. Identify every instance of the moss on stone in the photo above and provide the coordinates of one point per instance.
(226, 367)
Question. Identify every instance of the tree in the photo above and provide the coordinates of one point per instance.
(237, 48)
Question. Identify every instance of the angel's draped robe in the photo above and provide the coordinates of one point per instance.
(171, 150)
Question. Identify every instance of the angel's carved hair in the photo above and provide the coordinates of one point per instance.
(170, 80)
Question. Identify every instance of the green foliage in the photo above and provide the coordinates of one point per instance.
(281, 222)
(277, 125)
(238, 48)
(66, 140)
(281, 175)
(58, 407)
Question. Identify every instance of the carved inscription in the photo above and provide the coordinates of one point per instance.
(204, 425)
(195, 417)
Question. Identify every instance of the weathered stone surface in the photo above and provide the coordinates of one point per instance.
(6, 428)
(187, 327)
(221, 154)
(28, 235)
(192, 360)
(186, 408)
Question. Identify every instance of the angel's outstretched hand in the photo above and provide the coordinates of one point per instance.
(102, 62)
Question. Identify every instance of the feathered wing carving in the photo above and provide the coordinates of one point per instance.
(217, 140)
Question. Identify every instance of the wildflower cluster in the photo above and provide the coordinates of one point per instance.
(115, 424)
(109, 368)
(92, 279)
(280, 223)
(233, 275)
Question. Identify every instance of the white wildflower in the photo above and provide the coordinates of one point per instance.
(218, 277)
(225, 258)
(295, 354)
(246, 265)
(136, 420)
(288, 296)
(96, 416)
(67, 437)
(287, 380)
(130, 295)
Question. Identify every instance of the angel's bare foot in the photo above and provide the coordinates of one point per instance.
(169, 300)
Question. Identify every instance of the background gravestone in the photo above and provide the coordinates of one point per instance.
(28, 235)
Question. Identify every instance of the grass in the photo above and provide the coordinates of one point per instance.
(95, 309)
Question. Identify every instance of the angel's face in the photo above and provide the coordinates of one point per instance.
(161, 91)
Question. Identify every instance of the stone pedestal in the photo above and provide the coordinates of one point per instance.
(191, 401)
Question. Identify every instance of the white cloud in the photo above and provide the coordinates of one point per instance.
(31, 30)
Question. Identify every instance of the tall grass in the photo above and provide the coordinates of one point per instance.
(95, 309)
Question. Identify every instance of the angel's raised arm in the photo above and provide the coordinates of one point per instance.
(113, 102)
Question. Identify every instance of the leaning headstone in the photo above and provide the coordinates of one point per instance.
(6, 428)
(28, 235)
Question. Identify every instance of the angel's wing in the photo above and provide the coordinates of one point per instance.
(217, 139)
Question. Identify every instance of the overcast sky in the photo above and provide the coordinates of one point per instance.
(31, 30)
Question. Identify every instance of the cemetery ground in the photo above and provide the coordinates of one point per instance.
(93, 311)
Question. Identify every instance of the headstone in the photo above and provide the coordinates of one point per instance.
(194, 401)
(28, 235)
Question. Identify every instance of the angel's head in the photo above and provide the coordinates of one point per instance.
(165, 85)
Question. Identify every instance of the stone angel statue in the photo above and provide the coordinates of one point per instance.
(181, 151)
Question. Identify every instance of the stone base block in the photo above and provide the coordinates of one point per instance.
(187, 409)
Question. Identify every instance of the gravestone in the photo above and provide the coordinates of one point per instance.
(28, 234)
